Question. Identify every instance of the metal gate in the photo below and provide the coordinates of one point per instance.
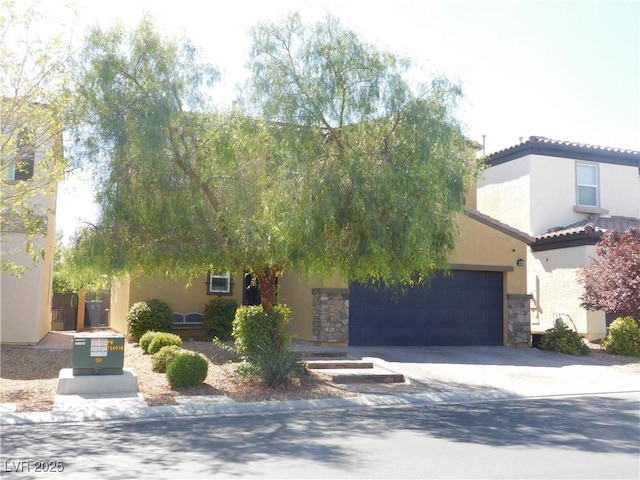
(96, 309)
(64, 312)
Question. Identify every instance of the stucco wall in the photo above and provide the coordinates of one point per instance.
(479, 244)
(295, 291)
(556, 291)
(503, 193)
(537, 192)
(25, 302)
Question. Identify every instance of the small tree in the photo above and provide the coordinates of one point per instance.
(34, 106)
(612, 281)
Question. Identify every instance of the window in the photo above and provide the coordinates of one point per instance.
(587, 185)
(21, 166)
(219, 284)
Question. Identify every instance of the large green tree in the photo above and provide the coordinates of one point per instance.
(33, 109)
(330, 164)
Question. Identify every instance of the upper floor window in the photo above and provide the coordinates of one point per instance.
(22, 164)
(219, 284)
(587, 184)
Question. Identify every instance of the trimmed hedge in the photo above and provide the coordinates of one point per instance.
(149, 315)
(253, 328)
(563, 340)
(163, 339)
(187, 370)
(145, 340)
(623, 337)
(163, 357)
(218, 318)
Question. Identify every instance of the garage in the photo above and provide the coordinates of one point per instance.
(461, 309)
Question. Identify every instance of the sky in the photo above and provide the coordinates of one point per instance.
(563, 70)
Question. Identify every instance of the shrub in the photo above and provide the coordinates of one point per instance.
(253, 327)
(145, 340)
(623, 337)
(187, 370)
(218, 318)
(163, 339)
(149, 315)
(563, 340)
(162, 357)
(274, 365)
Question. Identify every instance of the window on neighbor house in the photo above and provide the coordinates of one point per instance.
(21, 166)
(587, 184)
(219, 284)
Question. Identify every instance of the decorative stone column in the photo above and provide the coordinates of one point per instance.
(519, 319)
(330, 316)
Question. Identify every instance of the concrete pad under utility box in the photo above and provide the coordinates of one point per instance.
(70, 384)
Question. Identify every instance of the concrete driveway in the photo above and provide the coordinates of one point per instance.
(499, 372)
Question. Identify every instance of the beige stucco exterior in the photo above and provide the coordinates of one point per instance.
(480, 246)
(535, 193)
(556, 291)
(25, 302)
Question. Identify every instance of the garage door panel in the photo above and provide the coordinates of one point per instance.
(463, 308)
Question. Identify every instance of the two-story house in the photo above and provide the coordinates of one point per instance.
(566, 195)
(28, 191)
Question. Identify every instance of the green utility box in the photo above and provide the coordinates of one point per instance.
(99, 353)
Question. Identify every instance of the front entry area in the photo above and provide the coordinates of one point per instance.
(461, 309)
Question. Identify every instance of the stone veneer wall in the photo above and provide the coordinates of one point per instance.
(330, 315)
(519, 319)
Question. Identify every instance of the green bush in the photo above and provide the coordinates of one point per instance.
(218, 318)
(253, 327)
(163, 339)
(275, 365)
(187, 370)
(623, 337)
(153, 314)
(162, 357)
(563, 340)
(145, 340)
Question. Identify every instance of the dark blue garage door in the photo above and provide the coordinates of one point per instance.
(464, 308)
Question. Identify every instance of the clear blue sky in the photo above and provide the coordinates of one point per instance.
(565, 70)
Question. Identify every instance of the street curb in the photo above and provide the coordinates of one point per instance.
(244, 408)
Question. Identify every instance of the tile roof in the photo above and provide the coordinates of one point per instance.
(561, 148)
(503, 227)
(594, 224)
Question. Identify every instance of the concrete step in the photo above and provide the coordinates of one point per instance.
(345, 378)
(316, 355)
(338, 364)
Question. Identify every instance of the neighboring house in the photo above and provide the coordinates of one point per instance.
(482, 302)
(566, 195)
(25, 302)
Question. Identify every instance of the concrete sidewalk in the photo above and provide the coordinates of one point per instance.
(435, 375)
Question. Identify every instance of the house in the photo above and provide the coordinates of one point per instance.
(25, 301)
(482, 301)
(566, 195)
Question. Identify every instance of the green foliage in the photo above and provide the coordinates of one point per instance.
(186, 370)
(218, 318)
(562, 339)
(148, 315)
(163, 357)
(253, 327)
(322, 166)
(274, 365)
(163, 339)
(35, 106)
(623, 337)
(145, 340)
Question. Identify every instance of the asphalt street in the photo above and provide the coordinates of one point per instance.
(582, 437)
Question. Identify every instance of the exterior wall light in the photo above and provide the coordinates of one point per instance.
(520, 262)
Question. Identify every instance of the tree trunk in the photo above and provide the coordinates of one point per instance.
(267, 285)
